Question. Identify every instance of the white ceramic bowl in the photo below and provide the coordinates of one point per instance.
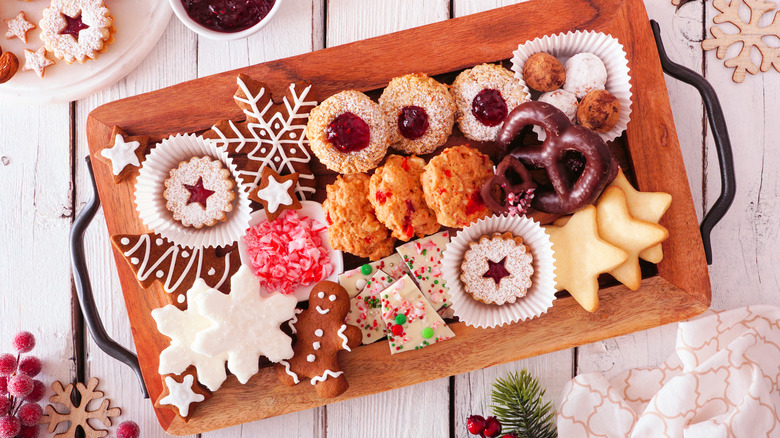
(181, 13)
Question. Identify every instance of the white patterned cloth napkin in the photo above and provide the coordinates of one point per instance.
(722, 382)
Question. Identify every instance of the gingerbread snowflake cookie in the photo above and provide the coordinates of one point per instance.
(276, 193)
(77, 30)
(199, 192)
(272, 135)
(321, 333)
(124, 153)
(497, 269)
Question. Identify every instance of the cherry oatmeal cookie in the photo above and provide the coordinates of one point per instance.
(352, 224)
(348, 133)
(420, 113)
(397, 197)
(485, 95)
(452, 182)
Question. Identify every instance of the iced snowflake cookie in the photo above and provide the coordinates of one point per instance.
(412, 323)
(423, 257)
(365, 309)
(397, 197)
(497, 269)
(348, 133)
(77, 30)
(452, 182)
(352, 224)
(485, 95)
(199, 192)
(419, 111)
(355, 280)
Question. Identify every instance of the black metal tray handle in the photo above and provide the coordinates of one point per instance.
(719, 133)
(718, 210)
(84, 287)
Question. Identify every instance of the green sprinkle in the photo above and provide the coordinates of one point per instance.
(427, 333)
(400, 319)
(435, 281)
(366, 269)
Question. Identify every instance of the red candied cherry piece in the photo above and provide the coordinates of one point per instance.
(412, 122)
(128, 429)
(198, 193)
(30, 366)
(73, 26)
(381, 196)
(349, 133)
(23, 342)
(30, 414)
(9, 427)
(475, 203)
(489, 107)
(37, 393)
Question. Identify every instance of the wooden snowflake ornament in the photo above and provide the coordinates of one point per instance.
(750, 35)
(79, 415)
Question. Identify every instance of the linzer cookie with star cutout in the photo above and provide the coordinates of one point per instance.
(497, 269)
(77, 30)
(199, 192)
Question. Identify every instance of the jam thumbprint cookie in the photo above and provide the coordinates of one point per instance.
(485, 95)
(348, 133)
(199, 192)
(452, 182)
(497, 269)
(420, 113)
(77, 30)
(397, 197)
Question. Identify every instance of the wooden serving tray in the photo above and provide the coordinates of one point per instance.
(679, 289)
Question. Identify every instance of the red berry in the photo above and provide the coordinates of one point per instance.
(9, 427)
(489, 107)
(509, 435)
(475, 424)
(30, 365)
(492, 427)
(349, 133)
(20, 385)
(29, 432)
(128, 429)
(7, 364)
(3, 385)
(23, 342)
(5, 405)
(36, 395)
(30, 414)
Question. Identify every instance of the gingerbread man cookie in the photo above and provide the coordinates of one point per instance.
(321, 333)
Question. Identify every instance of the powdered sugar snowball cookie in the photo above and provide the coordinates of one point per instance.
(485, 95)
(497, 269)
(199, 192)
(348, 132)
(420, 112)
(563, 100)
(585, 72)
(76, 30)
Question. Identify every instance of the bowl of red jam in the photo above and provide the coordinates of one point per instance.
(225, 19)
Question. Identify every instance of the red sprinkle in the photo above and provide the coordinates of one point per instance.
(405, 164)
(448, 173)
(397, 330)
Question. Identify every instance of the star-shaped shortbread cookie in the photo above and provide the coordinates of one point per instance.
(645, 206)
(245, 326)
(182, 327)
(617, 227)
(581, 255)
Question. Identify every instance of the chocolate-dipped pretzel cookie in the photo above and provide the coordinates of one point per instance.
(569, 191)
(511, 189)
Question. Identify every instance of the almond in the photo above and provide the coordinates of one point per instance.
(9, 64)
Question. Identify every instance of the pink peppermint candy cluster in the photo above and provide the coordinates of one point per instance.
(19, 392)
(288, 252)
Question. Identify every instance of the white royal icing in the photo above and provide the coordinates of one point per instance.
(276, 194)
(181, 394)
(289, 372)
(311, 358)
(291, 323)
(322, 311)
(316, 345)
(318, 333)
(122, 154)
(325, 375)
(344, 339)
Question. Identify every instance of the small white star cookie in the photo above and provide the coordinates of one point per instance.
(36, 61)
(18, 27)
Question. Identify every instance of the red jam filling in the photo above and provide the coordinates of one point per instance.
(227, 15)
(489, 107)
(348, 133)
(73, 25)
(496, 271)
(413, 122)
(198, 193)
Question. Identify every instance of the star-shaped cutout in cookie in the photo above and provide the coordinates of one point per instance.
(496, 271)
(276, 193)
(182, 327)
(181, 394)
(245, 326)
(581, 256)
(36, 61)
(198, 193)
(18, 27)
(645, 206)
(73, 26)
(124, 154)
(617, 227)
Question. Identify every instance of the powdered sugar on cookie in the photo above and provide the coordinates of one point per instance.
(75, 30)
(497, 269)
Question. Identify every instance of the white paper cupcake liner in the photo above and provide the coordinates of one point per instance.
(150, 203)
(565, 45)
(540, 296)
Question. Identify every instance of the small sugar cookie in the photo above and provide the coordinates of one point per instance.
(497, 269)
(276, 193)
(199, 192)
(36, 61)
(18, 27)
(182, 394)
(124, 153)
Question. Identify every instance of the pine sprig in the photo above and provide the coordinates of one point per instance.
(518, 405)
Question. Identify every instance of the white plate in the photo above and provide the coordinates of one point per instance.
(312, 210)
(139, 25)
